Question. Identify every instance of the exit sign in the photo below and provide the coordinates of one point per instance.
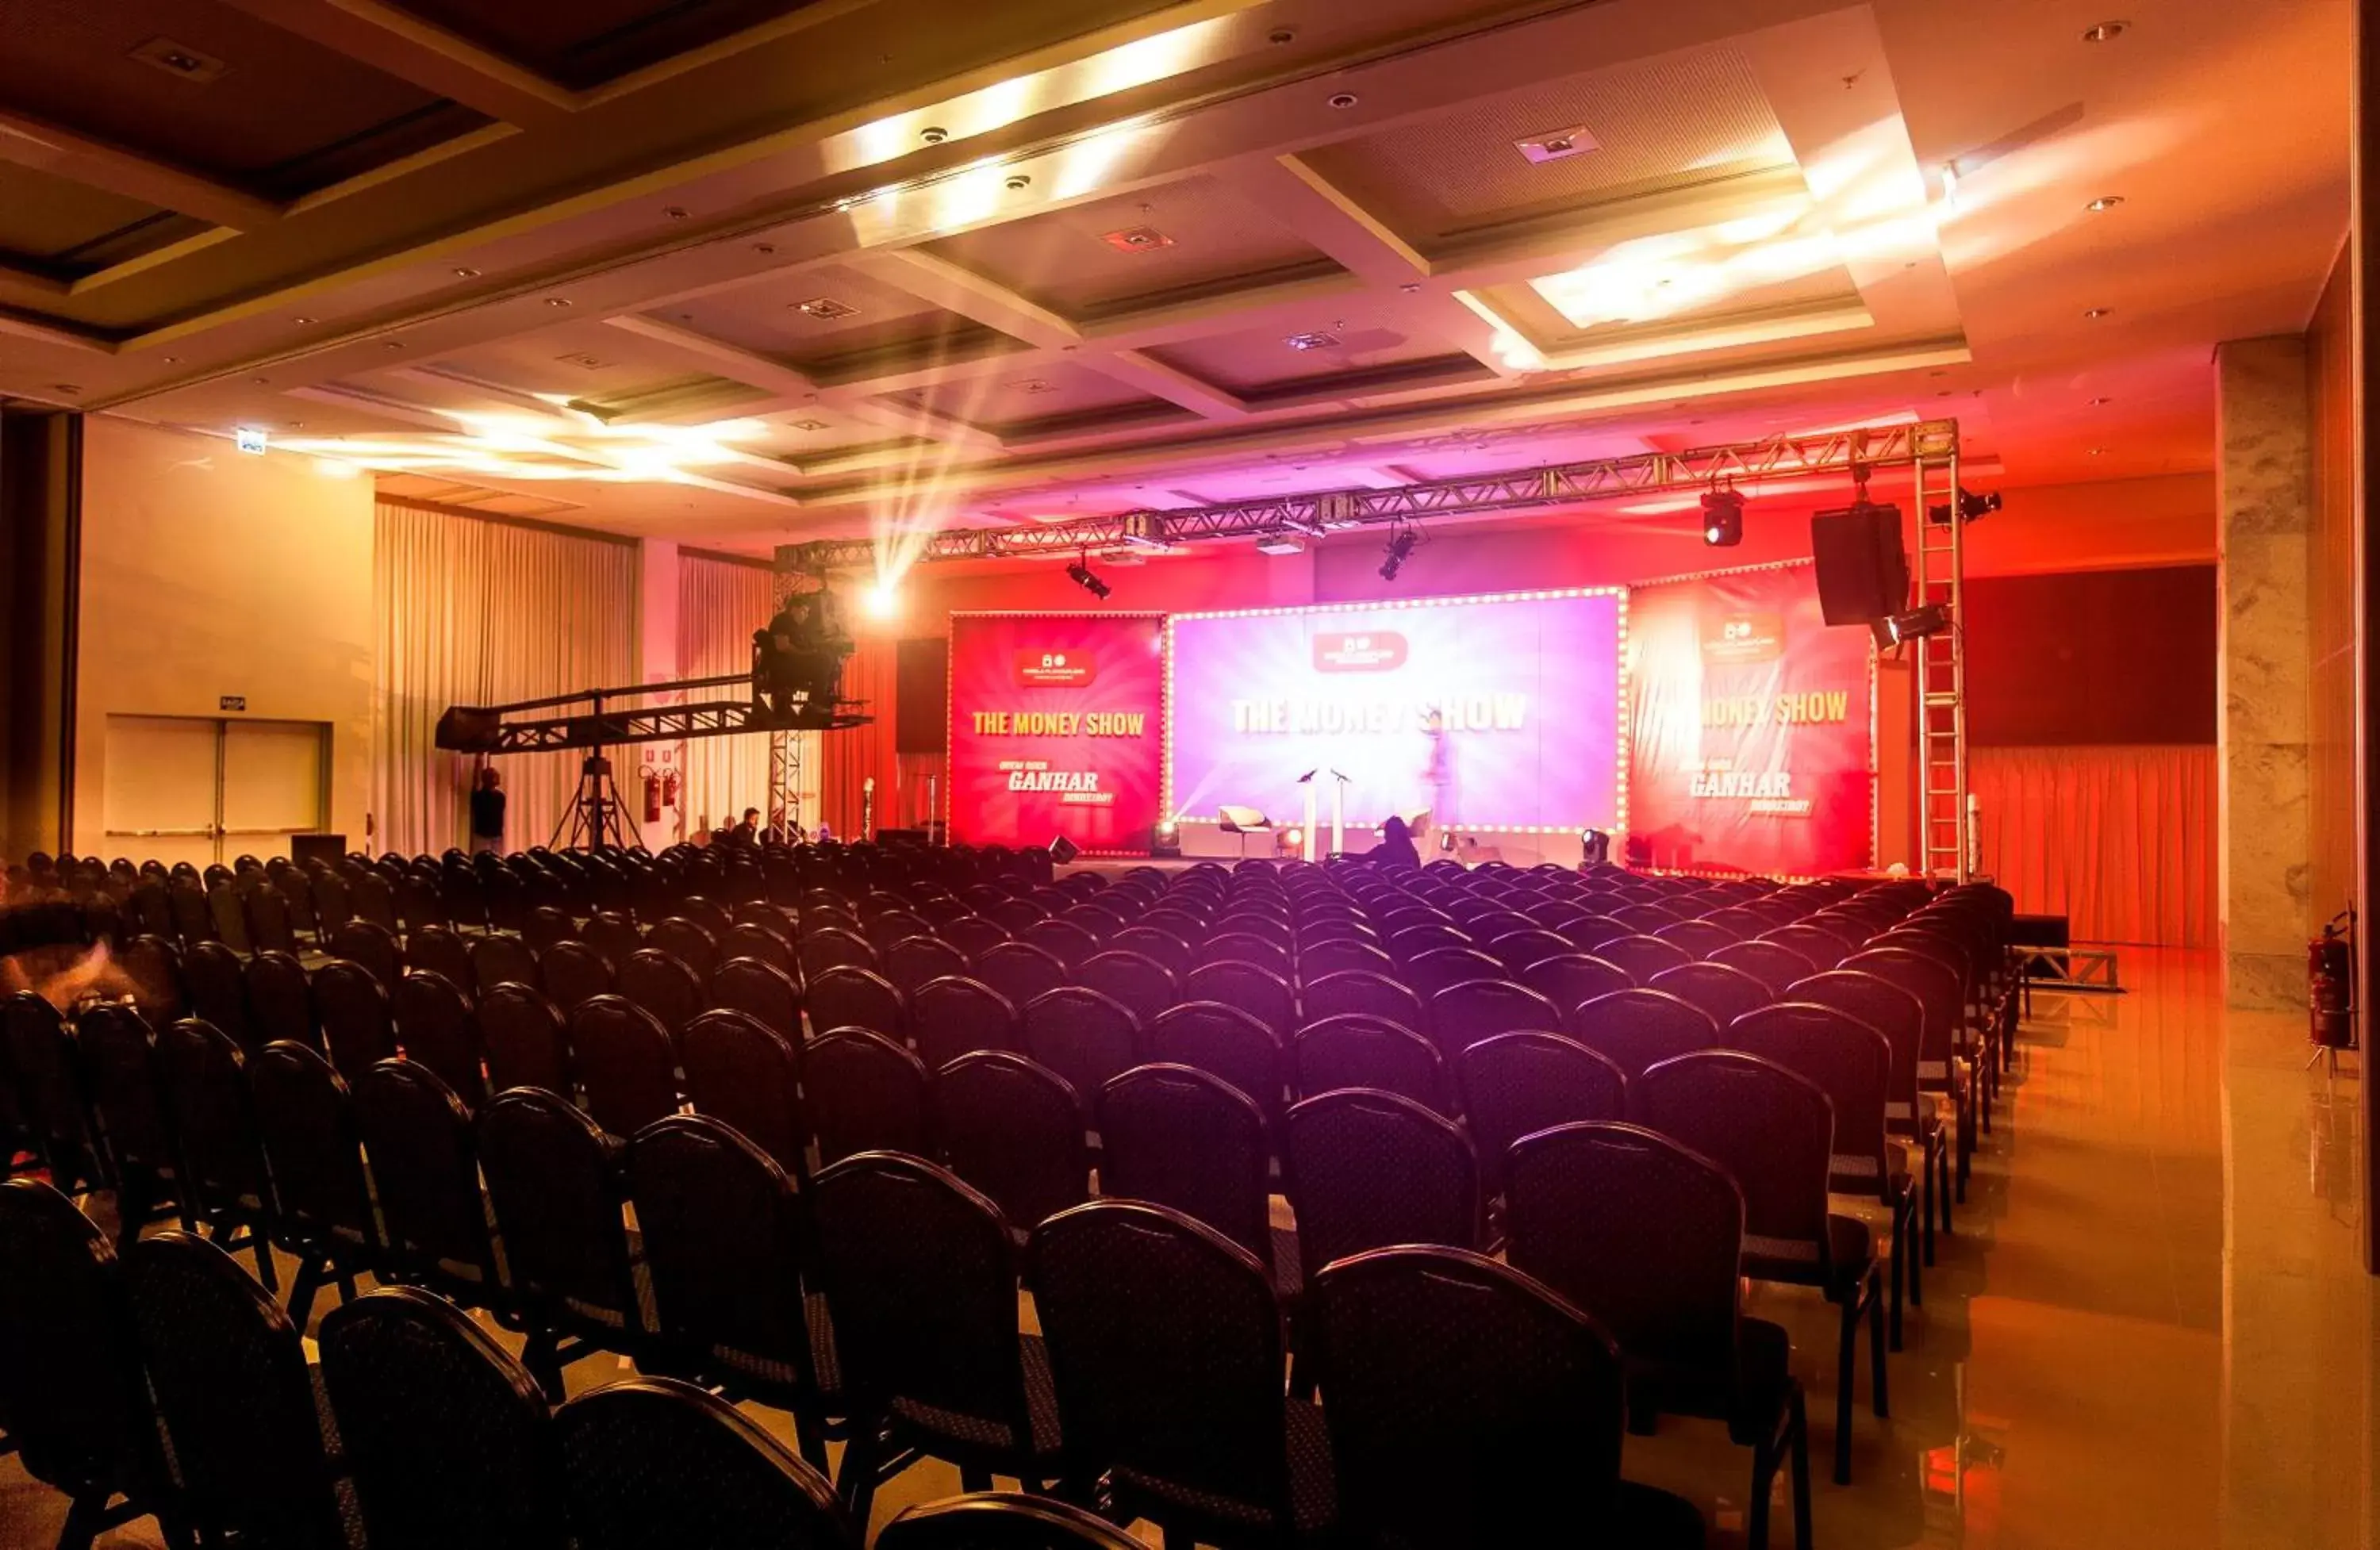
(231, 702)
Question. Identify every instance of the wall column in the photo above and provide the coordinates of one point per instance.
(2264, 502)
(657, 605)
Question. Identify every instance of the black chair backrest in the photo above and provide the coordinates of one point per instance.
(231, 1385)
(445, 1434)
(690, 942)
(921, 1277)
(353, 1003)
(625, 1062)
(1516, 1085)
(1469, 1405)
(523, 1039)
(613, 936)
(71, 1384)
(306, 1118)
(913, 962)
(1637, 1028)
(572, 974)
(1352, 1049)
(218, 988)
(280, 999)
(866, 1094)
(1772, 1131)
(1190, 1141)
(1226, 1041)
(772, 944)
(1569, 979)
(1020, 971)
(651, 1461)
(1154, 943)
(1368, 992)
(745, 1074)
(1724, 992)
(1896, 1013)
(1083, 1035)
(1165, 1345)
(425, 1171)
(498, 959)
(1140, 984)
(435, 1028)
(1642, 1228)
(1368, 1169)
(1642, 957)
(1013, 1128)
(120, 1063)
(438, 950)
(205, 1078)
(1464, 1013)
(955, 1015)
(663, 983)
(849, 996)
(1000, 1520)
(1774, 964)
(1848, 1060)
(553, 1182)
(827, 947)
(724, 1243)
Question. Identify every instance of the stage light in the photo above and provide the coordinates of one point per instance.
(1082, 575)
(1400, 549)
(1279, 544)
(881, 600)
(1971, 507)
(1722, 518)
(1918, 623)
(1594, 847)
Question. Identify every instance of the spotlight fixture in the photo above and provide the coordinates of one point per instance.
(2105, 32)
(2103, 203)
(1594, 847)
(1343, 100)
(1400, 549)
(1722, 518)
(1916, 625)
(1082, 575)
(933, 134)
(1971, 507)
(2093, 314)
(881, 600)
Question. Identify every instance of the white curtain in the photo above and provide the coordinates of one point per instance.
(720, 603)
(479, 613)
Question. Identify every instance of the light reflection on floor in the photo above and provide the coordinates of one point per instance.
(2151, 1329)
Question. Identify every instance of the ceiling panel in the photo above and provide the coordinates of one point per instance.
(586, 359)
(584, 43)
(283, 117)
(1032, 397)
(69, 229)
(1680, 119)
(1207, 239)
(855, 318)
(1368, 333)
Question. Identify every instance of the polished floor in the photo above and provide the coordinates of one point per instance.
(2152, 1329)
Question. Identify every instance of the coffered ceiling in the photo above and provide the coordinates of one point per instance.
(746, 271)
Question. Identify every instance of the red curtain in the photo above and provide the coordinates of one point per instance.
(848, 758)
(2121, 840)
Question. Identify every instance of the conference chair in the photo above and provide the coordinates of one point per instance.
(747, 1074)
(324, 1217)
(1226, 1041)
(119, 1067)
(1650, 1234)
(1142, 985)
(1724, 993)
(1011, 1127)
(446, 1437)
(1515, 1085)
(626, 1064)
(1020, 971)
(1356, 1050)
(865, 1094)
(280, 999)
(914, 962)
(1639, 1028)
(352, 1003)
(957, 1014)
(217, 986)
(1191, 1141)
(501, 960)
(1642, 957)
(1469, 1405)
(973, 934)
(1774, 964)
(1432, 972)
(1909, 1116)
(652, 1461)
(663, 983)
(1368, 1169)
(1367, 993)
(574, 973)
(226, 1183)
(522, 1037)
(1001, 1521)
(1469, 1011)
(437, 1028)
(1084, 1036)
(425, 1172)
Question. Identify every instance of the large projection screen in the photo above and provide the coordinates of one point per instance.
(1525, 689)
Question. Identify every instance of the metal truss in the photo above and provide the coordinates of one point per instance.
(666, 723)
(1928, 443)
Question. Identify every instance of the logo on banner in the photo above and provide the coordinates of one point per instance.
(1360, 652)
(1056, 669)
(1744, 637)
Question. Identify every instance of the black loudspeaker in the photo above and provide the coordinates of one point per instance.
(1062, 850)
(1862, 573)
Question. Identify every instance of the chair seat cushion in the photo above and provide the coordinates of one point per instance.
(1312, 1489)
(992, 1434)
(1851, 1246)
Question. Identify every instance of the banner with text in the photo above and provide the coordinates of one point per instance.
(1752, 735)
(1494, 714)
(1054, 728)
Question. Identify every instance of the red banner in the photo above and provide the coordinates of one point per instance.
(1055, 729)
(1752, 737)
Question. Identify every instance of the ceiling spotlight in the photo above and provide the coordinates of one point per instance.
(1343, 100)
(557, 301)
(881, 600)
(1017, 182)
(301, 319)
(1280, 543)
(2093, 314)
(933, 134)
(1722, 518)
(825, 307)
(2101, 403)
(674, 212)
(1281, 35)
(1971, 508)
(2105, 32)
(1916, 625)
(465, 272)
(2103, 203)
(2098, 452)
(1082, 575)
(809, 425)
(1400, 549)
(1315, 339)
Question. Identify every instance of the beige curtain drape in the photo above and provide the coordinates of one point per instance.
(720, 603)
(2119, 838)
(478, 612)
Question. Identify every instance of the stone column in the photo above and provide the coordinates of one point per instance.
(2263, 502)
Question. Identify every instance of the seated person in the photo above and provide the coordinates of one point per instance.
(1396, 847)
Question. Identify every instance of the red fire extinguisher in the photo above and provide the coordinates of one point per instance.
(653, 794)
(2330, 984)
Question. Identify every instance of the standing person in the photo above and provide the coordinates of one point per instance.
(488, 812)
(1437, 771)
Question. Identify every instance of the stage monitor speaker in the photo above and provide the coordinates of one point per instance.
(1863, 572)
(1062, 850)
(328, 849)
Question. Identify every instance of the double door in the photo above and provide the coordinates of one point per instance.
(207, 789)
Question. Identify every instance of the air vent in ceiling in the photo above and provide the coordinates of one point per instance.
(1137, 240)
(592, 362)
(179, 60)
(826, 309)
(1554, 144)
(1316, 340)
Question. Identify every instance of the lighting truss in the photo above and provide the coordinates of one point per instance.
(1875, 450)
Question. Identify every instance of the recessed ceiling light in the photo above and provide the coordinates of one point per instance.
(391, 344)
(933, 134)
(262, 382)
(2105, 32)
(2098, 403)
(171, 360)
(764, 248)
(466, 272)
(1033, 384)
(674, 212)
(2095, 313)
(1315, 339)
(1016, 182)
(557, 301)
(826, 307)
(301, 319)
(583, 358)
(179, 60)
(2098, 452)
(1280, 35)
(2103, 203)
(1137, 240)
(1345, 100)
(809, 425)
(1553, 145)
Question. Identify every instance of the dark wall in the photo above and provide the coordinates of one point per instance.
(2092, 656)
(922, 717)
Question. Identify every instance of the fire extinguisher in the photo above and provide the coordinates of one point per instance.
(653, 794)
(2330, 984)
